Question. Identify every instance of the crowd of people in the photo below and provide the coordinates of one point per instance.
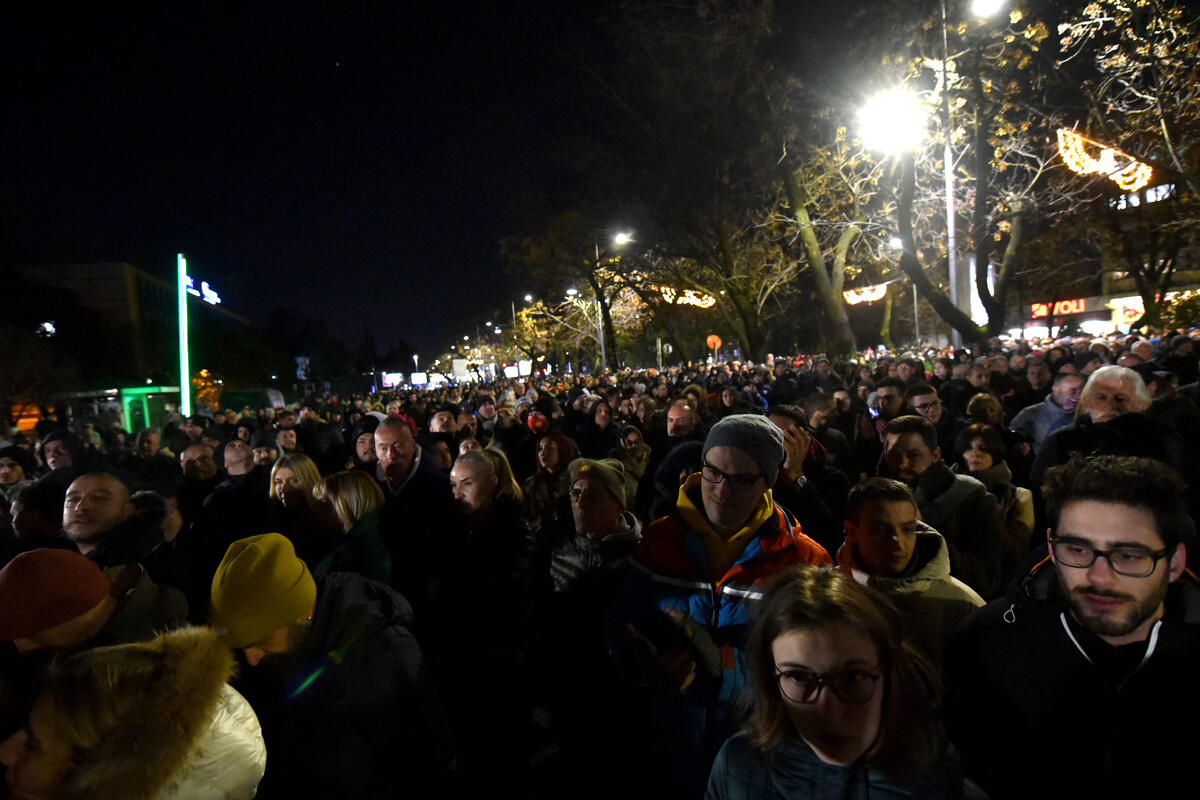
(947, 574)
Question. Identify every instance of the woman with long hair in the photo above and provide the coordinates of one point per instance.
(312, 527)
(843, 705)
(545, 491)
(356, 499)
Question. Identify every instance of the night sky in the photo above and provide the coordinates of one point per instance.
(357, 165)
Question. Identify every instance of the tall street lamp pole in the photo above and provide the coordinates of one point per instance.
(956, 280)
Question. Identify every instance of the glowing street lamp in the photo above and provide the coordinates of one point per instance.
(986, 8)
(893, 122)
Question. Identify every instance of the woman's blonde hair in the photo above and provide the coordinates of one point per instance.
(300, 464)
(353, 494)
(494, 463)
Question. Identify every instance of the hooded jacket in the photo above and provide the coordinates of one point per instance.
(350, 712)
(191, 736)
(932, 601)
(967, 516)
(1039, 706)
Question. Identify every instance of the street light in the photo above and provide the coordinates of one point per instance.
(986, 8)
(892, 122)
(620, 239)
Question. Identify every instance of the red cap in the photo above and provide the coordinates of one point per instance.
(44, 588)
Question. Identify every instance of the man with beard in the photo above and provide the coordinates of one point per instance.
(1077, 683)
(335, 675)
(418, 522)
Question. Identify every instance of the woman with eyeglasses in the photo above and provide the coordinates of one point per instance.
(843, 705)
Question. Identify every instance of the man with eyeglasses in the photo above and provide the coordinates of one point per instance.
(698, 573)
(1082, 682)
(923, 399)
(871, 430)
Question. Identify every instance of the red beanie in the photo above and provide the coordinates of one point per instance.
(44, 588)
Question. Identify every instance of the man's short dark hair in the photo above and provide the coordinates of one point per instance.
(872, 489)
(918, 389)
(794, 413)
(818, 402)
(43, 496)
(895, 383)
(914, 424)
(1060, 377)
(1143, 483)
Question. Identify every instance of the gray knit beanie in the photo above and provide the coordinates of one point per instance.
(753, 434)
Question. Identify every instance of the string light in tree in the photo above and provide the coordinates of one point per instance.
(1119, 167)
(866, 294)
(686, 297)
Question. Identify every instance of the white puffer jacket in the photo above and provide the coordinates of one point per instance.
(227, 761)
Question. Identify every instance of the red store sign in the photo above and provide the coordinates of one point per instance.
(1060, 308)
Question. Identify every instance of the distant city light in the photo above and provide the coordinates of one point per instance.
(47, 328)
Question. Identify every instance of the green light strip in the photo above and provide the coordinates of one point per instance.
(185, 371)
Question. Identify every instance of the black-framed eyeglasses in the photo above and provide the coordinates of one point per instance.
(735, 481)
(855, 686)
(577, 495)
(1132, 562)
(923, 407)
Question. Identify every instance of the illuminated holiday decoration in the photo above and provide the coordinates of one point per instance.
(1119, 167)
(686, 297)
(866, 294)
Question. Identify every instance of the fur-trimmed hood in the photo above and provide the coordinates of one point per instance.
(187, 734)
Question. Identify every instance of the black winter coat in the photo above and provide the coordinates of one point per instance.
(351, 713)
(1040, 707)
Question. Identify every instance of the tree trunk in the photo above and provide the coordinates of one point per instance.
(885, 327)
(911, 267)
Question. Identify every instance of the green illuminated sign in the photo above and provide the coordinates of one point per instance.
(185, 371)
